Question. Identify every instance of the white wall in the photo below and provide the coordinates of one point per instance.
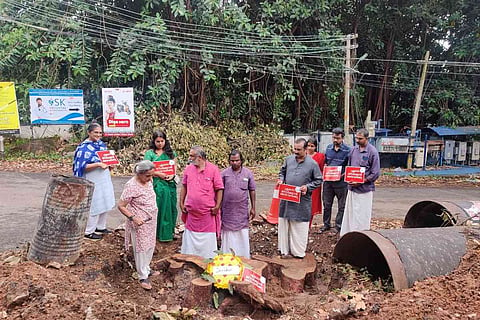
(45, 131)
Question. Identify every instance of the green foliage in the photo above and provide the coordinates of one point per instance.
(404, 31)
(362, 275)
(52, 148)
(184, 135)
(207, 277)
(257, 144)
(143, 52)
(149, 45)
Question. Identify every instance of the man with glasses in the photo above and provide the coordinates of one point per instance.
(358, 206)
(336, 155)
(200, 201)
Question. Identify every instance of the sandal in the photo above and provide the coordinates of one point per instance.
(103, 231)
(93, 236)
(145, 284)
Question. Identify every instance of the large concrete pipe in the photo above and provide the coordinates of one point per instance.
(403, 255)
(61, 226)
(426, 214)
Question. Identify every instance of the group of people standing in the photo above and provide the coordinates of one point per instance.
(148, 197)
(215, 205)
(149, 201)
(304, 169)
(218, 204)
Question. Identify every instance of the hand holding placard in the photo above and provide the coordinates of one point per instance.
(108, 157)
(289, 193)
(166, 167)
(355, 174)
(332, 173)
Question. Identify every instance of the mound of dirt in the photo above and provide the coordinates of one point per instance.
(102, 285)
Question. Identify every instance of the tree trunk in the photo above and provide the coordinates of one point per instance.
(381, 105)
(256, 298)
(200, 293)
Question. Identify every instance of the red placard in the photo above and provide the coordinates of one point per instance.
(333, 173)
(108, 157)
(166, 166)
(355, 174)
(255, 279)
(289, 193)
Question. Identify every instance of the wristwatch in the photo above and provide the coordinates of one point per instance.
(131, 217)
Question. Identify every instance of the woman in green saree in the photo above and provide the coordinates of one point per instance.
(164, 186)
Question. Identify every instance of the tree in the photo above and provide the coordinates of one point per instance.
(265, 62)
(396, 34)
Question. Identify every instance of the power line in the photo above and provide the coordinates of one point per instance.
(265, 69)
(455, 73)
(115, 33)
(172, 45)
(129, 13)
(235, 50)
(214, 62)
(198, 28)
(189, 26)
(454, 63)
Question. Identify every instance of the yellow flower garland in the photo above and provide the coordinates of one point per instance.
(224, 268)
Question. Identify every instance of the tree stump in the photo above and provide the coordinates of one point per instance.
(196, 260)
(292, 279)
(310, 266)
(175, 267)
(199, 293)
(162, 264)
(259, 267)
(256, 298)
(294, 273)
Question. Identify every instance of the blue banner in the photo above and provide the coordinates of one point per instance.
(56, 106)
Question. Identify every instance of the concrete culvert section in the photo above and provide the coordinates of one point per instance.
(426, 214)
(403, 255)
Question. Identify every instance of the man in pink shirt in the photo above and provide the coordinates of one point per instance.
(200, 201)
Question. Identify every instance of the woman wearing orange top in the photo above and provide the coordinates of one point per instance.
(320, 160)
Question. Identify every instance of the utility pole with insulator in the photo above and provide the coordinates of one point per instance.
(418, 100)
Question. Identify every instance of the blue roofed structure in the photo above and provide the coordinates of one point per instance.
(450, 132)
(445, 131)
(470, 130)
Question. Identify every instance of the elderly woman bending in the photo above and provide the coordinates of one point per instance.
(138, 204)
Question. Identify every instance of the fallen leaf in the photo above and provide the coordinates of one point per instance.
(12, 260)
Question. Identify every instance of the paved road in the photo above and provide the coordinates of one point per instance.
(21, 200)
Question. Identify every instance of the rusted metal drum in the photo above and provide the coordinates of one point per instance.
(426, 214)
(61, 226)
(403, 255)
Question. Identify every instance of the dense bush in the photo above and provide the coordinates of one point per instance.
(259, 144)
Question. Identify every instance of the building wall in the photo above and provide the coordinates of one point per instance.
(45, 131)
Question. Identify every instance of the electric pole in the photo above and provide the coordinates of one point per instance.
(418, 100)
(346, 88)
